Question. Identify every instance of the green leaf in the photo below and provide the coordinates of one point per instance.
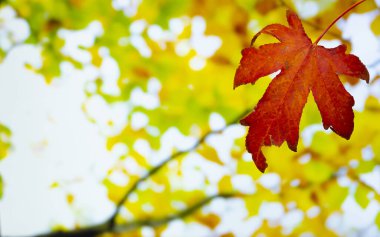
(361, 196)
(377, 220)
(317, 171)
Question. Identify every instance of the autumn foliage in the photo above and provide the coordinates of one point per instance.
(305, 67)
(118, 118)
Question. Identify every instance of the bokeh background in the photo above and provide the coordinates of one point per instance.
(118, 118)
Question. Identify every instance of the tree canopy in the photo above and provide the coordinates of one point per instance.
(153, 80)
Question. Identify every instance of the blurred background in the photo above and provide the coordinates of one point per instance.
(118, 118)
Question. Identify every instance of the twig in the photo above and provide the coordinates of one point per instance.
(315, 26)
(164, 220)
(99, 229)
(85, 232)
(337, 19)
(109, 225)
(163, 163)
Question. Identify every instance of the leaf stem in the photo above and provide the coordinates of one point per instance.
(340, 16)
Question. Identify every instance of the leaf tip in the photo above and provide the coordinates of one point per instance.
(365, 76)
(235, 84)
(345, 134)
(260, 162)
(262, 168)
(292, 146)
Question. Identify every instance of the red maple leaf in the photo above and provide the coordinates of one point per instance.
(305, 67)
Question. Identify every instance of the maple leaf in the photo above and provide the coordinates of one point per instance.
(305, 67)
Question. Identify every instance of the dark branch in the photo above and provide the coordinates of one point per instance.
(163, 163)
(85, 232)
(110, 226)
(103, 228)
(164, 220)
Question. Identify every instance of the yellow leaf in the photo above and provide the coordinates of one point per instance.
(54, 185)
(375, 25)
(211, 220)
(377, 221)
(225, 184)
(70, 198)
(210, 154)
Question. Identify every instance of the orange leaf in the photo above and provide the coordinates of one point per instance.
(305, 67)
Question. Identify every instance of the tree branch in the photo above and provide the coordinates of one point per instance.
(164, 220)
(163, 163)
(110, 224)
(103, 228)
(85, 232)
